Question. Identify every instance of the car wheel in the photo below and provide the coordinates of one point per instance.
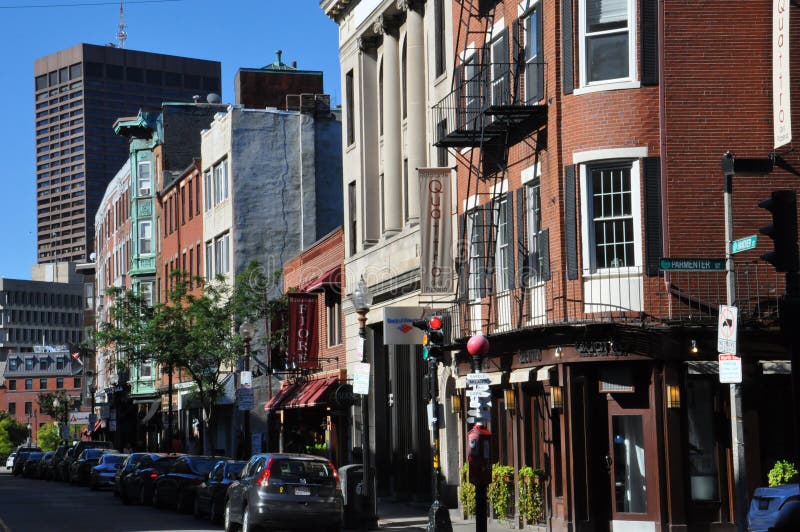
(181, 504)
(246, 526)
(230, 526)
(196, 508)
(123, 495)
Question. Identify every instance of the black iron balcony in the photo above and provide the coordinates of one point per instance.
(493, 103)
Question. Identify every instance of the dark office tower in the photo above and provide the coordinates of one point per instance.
(80, 92)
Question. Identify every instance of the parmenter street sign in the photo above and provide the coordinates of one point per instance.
(691, 265)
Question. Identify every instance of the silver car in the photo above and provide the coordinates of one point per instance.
(285, 491)
(10, 460)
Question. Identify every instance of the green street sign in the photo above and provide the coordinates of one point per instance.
(691, 265)
(743, 244)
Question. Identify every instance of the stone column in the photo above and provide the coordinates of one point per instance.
(392, 134)
(368, 107)
(415, 85)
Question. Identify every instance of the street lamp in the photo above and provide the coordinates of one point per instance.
(362, 300)
(246, 332)
(91, 389)
(30, 443)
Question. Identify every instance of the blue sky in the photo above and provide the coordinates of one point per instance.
(238, 33)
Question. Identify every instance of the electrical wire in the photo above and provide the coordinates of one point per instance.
(86, 4)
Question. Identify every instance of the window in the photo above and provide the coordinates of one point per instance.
(76, 382)
(380, 99)
(500, 71)
(43, 383)
(13, 364)
(349, 111)
(146, 370)
(474, 230)
(472, 82)
(28, 408)
(29, 361)
(702, 439)
(612, 234)
(441, 152)
(145, 237)
(146, 292)
(222, 254)
(352, 217)
(607, 53)
(12, 408)
(60, 361)
(534, 65)
(12, 384)
(221, 182)
(504, 267)
(43, 363)
(207, 188)
(404, 79)
(533, 216)
(439, 36)
(333, 307)
(629, 464)
(209, 260)
(145, 178)
(59, 382)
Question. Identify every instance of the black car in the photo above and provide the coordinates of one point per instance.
(176, 487)
(41, 467)
(209, 497)
(53, 466)
(74, 452)
(32, 464)
(79, 469)
(102, 475)
(138, 484)
(285, 491)
(127, 467)
(19, 462)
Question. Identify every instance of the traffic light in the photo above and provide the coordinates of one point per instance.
(433, 337)
(783, 231)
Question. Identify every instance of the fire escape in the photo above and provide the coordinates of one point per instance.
(498, 101)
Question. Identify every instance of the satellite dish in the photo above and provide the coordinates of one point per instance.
(213, 97)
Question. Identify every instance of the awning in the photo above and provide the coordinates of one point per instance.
(155, 404)
(521, 375)
(495, 379)
(278, 400)
(311, 393)
(776, 367)
(543, 373)
(331, 278)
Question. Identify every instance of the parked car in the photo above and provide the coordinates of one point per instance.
(209, 498)
(19, 462)
(79, 469)
(102, 475)
(285, 491)
(10, 460)
(127, 467)
(50, 472)
(176, 487)
(22, 449)
(32, 464)
(75, 451)
(41, 466)
(774, 509)
(138, 484)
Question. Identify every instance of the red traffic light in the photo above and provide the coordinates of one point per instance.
(435, 323)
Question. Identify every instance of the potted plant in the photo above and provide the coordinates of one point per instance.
(783, 472)
(531, 500)
(466, 493)
(499, 491)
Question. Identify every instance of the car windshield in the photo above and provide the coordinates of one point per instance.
(202, 466)
(293, 470)
(163, 464)
(35, 456)
(92, 454)
(113, 458)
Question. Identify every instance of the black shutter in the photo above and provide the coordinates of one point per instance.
(570, 223)
(486, 248)
(485, 76)
(522, 241)
(567, 74)
(517, 58)
(544, 255)
(463, 258)
(540, 55)
(649, 55)
(652, 213)
(509, 237)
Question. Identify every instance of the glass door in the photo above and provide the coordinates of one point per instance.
(631, 462)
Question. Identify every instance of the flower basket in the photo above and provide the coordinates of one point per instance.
(501, 492)
(531, 496)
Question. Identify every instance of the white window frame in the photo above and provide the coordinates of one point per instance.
(222, 252)
(221, 188)
(531, 55)
(209, 259)
(207, 189)
(333, 307)
(473, 257)
(628, 82)
(144, 176)
(607, 158)
(146, 292)
(145, 236)
(504, 259)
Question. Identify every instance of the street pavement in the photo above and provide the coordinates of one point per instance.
(41, 506)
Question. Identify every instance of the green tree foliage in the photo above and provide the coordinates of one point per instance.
(12, 433)
(48, 437)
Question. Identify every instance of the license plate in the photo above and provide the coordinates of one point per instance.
(302, 491)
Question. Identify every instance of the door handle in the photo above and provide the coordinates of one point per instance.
(607, 462)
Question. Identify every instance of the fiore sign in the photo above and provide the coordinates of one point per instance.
(303, 346)
(436, 231)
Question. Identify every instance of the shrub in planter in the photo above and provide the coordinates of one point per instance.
(499, 491)
(466, 493)
(783, 472)
(531, 501)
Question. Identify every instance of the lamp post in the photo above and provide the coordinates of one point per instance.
(362, 300)
(246, 331)
(90, 375)
(30, 442)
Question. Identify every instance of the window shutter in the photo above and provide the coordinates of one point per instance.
(649, 55)
(463, 258)
(522, 242)
(510, 239)
(517, 58)
(652, 213)
(540, 55)
(486, 248)
(570, 223)
(544, 255)
(567, 73)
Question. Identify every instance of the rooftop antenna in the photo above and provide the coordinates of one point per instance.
(121, 33)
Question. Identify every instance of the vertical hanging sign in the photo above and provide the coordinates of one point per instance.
(781, 106)
(303, 345)
(436, 231)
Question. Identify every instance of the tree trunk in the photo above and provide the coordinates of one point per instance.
(208, 436)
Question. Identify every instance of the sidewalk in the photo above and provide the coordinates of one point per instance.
(408, 516)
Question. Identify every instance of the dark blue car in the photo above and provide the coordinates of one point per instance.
(209, 499)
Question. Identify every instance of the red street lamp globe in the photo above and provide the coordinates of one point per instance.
(478, 345)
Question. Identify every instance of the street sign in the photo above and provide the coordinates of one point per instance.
(690, 265)
(479, 386)
(730, 368)
(245, 398)
(478, 393)
(478, 378)
(79, 418)
(726, 332)
(246, 379)
(361, 378)
(743, 244)
(475, 402)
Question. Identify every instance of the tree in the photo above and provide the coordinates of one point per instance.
(48, 437)
(126, 332)
(60, 413)
(12, 433)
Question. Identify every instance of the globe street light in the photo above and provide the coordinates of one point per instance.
(362, 300)
(246, 332)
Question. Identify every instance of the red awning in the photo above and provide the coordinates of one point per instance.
(331, 278)
(311, 393)
(278, 400)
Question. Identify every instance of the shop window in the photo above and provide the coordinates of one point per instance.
(629, 464)
(703, 476)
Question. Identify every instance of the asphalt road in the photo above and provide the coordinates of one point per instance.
(40, 506)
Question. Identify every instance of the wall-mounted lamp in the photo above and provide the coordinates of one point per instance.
(558, 352)
(510, 399)
(455, 404)
(673, 396)
(694, 349)
(556, 397)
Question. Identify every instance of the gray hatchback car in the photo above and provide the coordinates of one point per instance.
(285, 491)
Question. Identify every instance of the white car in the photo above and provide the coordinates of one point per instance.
(10, 461)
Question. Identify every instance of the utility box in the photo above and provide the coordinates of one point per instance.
(352, 478)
